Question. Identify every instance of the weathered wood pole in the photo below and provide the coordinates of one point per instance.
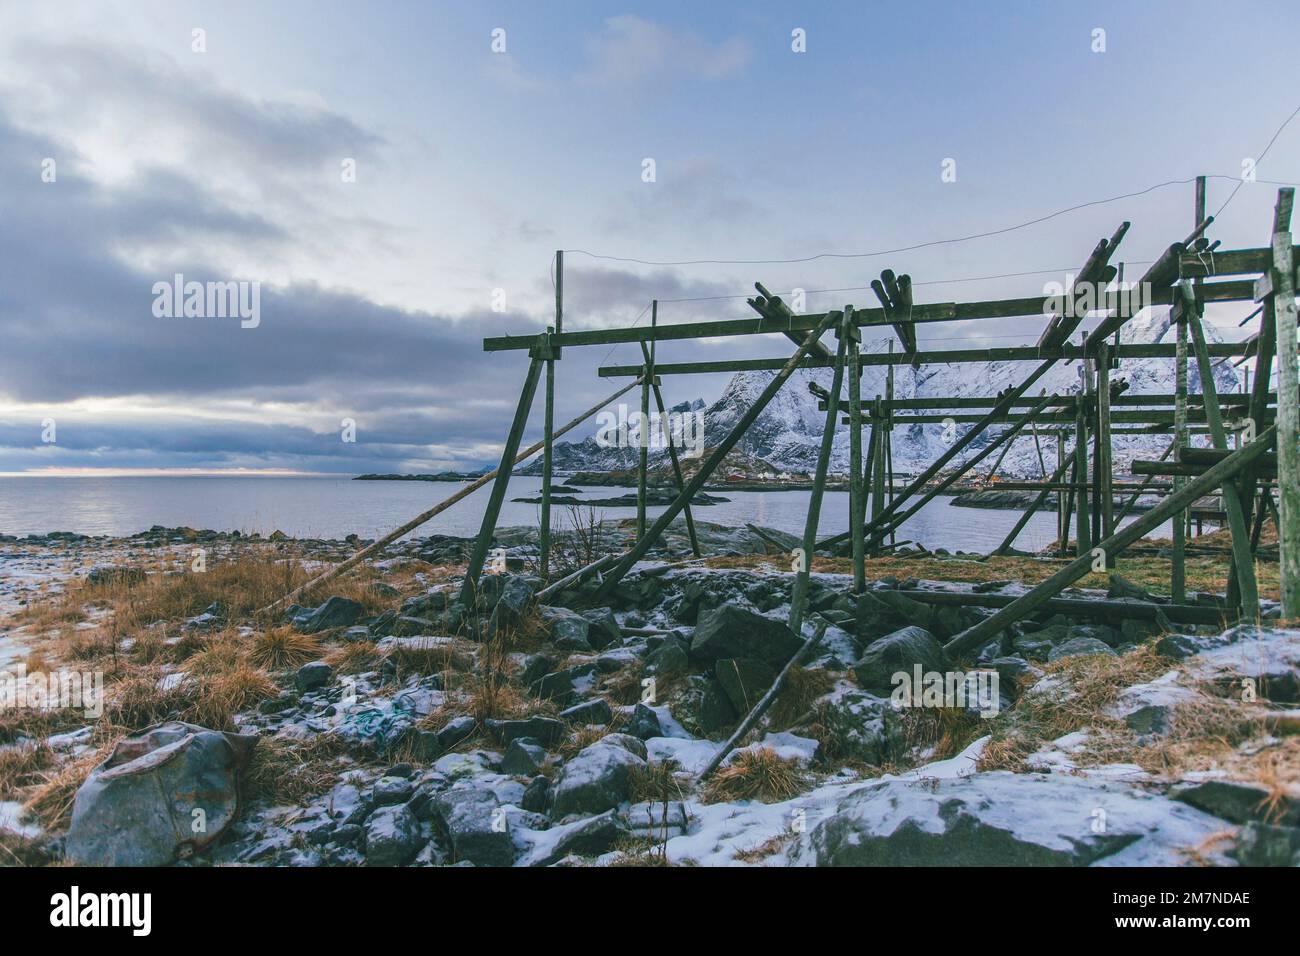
(1062, 516)
(1242, 559)
(672, 453)
(1104, 462)
(969, 641)
(1007, 435)
(849, 331)
(1288, 415)
(878, 473)
(1083, 528)
(377, 546)
(643, 432)
(474, 569)
(548, 437)
(1178, 559)
(711, 463)
(762, 706)
(889, 419)
(799, 594)
(994, 414)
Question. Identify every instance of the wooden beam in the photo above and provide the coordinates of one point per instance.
(950, 356)
(1242, 291)
(711, 463)
(474, 568)
(1288, 415)
(1242, 559)
(969, 641)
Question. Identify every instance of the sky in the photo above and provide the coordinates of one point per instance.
(395, 178)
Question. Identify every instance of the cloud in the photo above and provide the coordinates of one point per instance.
(629, 49)
(600, 296)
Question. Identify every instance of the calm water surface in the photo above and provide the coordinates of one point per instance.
(336, 507)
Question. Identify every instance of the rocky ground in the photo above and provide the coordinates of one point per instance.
(385, 724)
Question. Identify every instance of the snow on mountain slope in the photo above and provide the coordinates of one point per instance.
(787, 434)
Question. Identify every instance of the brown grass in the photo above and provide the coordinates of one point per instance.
(52, 799)
(1152, 573)
(1199, 732)
(769, 847)
(20, 766)
(291, 772)
(354, 658)
(754, 775)
(18, 851)
(799, 696)
(281, 647)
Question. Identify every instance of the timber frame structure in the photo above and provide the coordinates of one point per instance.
(1261, 423)
(1253, 456)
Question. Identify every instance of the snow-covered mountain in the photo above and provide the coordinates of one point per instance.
(787, 435)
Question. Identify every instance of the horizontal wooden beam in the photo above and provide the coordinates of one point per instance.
(926, 312)
(1231, 262)
(1024, 353)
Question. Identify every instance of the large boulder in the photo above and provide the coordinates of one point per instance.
(859, 726)
(393, 836)
(1005, 819)
(163, 793)
(744, 680)
(568, 629)
(476, 827)
(516, 596)
(733, 631)
(898, 652)
(336, 612)
(596, 780)
(604, 628)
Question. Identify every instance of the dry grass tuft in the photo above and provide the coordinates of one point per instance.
(769, 847)
(281, 647)
(18, 851)
(289, 772)
(1202, 733)
(656, 783)
(354, 658)
(20, 765)
(799, 696)
(51, 801)
(754, 775)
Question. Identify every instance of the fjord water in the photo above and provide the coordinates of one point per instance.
(336, 507)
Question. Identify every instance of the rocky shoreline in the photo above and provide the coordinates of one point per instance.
(523, 733)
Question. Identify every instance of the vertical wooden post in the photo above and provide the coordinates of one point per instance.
(878, 474)
(849, 332)
(643, 433)
(548, 436)
(799, 594)
(1178, 559)
(1243, 561)
(1102, 465)
(889, 432)
(1288, 415)
(626, 563)
(672, 453)
(1084, 529)
(474, 569)
(1062, 516)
